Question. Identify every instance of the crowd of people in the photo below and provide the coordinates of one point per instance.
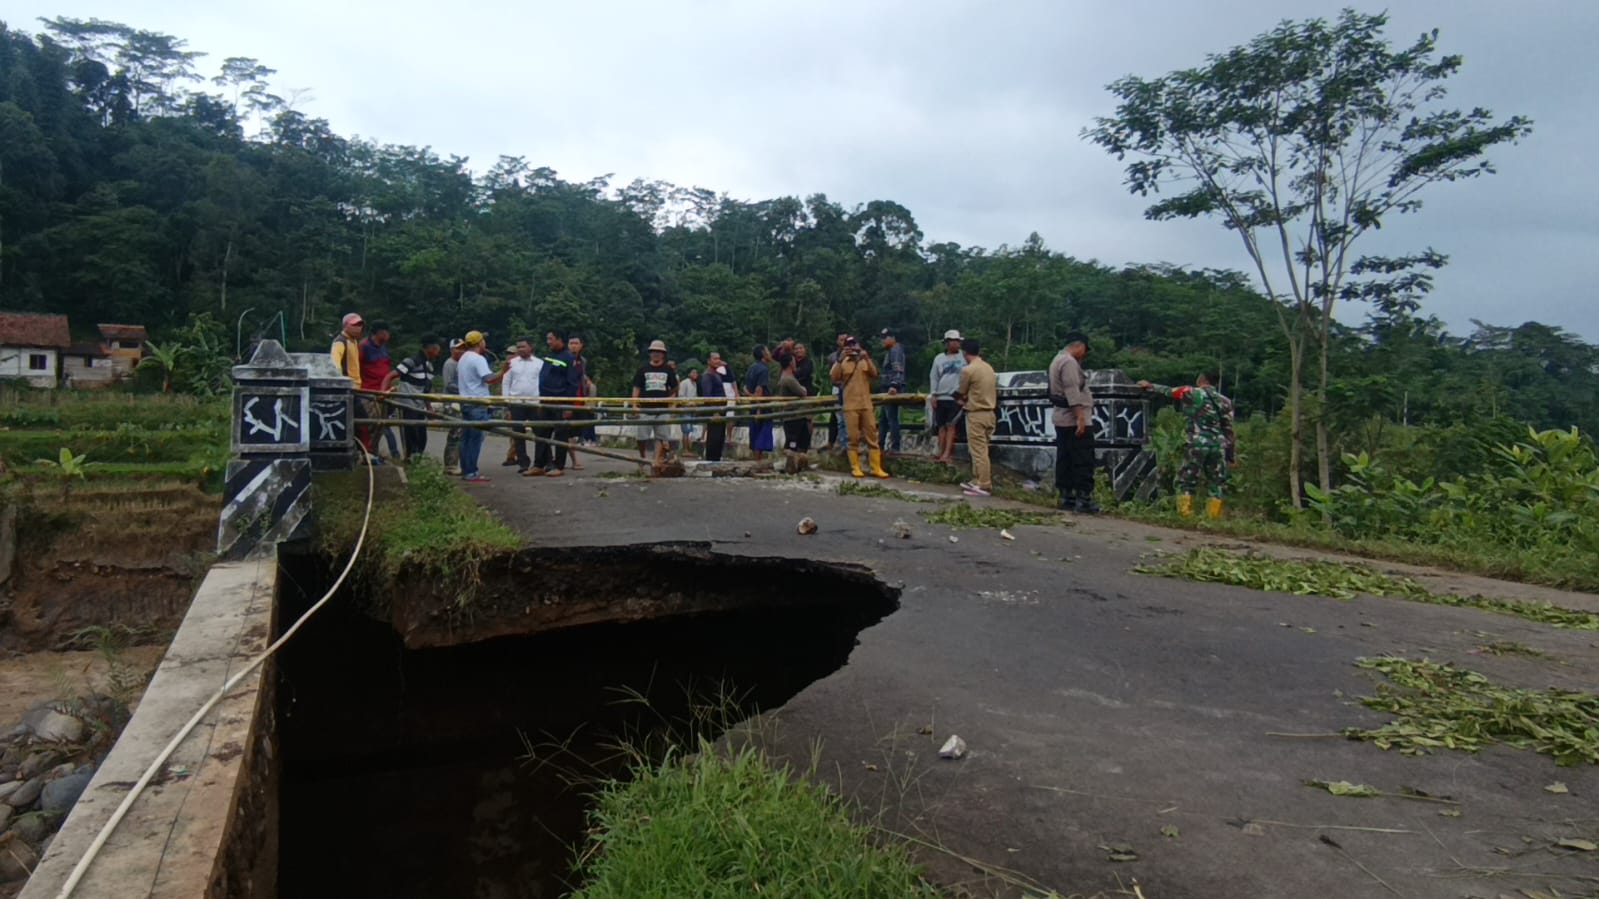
(551, 394)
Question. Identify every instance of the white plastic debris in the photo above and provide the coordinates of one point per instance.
(954, 539)
(1007, 534)
(953, 748)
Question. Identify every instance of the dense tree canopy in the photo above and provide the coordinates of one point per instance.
(134, 189)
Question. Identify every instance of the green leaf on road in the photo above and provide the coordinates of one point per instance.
(1344, 788)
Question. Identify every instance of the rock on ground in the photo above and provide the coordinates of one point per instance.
(59, 795)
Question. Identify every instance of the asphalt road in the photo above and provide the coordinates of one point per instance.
(1104, 708)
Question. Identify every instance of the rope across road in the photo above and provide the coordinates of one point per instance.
(609, 411)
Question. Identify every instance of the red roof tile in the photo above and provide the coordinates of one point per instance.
(123, 332)
(26, 329)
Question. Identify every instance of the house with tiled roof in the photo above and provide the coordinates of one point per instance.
(31, 346)
(126, 345)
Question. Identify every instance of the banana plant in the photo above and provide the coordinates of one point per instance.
(67, 467)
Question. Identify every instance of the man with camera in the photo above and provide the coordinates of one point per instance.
(854, 373)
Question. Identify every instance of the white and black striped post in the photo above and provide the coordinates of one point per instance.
(268, 489)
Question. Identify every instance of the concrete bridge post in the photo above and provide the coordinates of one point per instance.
(267, 492)
(1024, 439)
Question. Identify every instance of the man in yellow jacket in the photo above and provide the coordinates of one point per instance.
(854, 374)
(346, 350)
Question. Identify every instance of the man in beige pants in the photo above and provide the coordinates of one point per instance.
(978, 395)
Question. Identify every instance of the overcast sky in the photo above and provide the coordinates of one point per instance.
(966, 112)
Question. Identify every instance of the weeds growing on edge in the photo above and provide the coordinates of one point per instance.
(427, 524)
(1344, 581)
(712, 825)
(1444, 707)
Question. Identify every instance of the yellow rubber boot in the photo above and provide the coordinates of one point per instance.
(855, 464)
(1213, 507)
(877, 464)
(1185, 505)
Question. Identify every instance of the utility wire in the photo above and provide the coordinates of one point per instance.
(100, 839)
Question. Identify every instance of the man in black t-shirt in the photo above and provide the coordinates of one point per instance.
(655, 381)
(414, 376)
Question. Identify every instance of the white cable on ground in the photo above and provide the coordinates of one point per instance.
(100, 839)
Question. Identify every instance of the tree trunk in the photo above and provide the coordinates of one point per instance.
(226, 257)
(1296, 421)
(1323, 450)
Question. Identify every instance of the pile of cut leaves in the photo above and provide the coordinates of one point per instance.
(1444, 707)
(966, 515)
(1340, 580)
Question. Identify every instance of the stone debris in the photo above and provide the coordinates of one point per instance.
(901, 529)
(806, 526)
(46, 762)
(953, 748)
(954, 539)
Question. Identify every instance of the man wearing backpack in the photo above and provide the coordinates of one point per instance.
(1210, 440)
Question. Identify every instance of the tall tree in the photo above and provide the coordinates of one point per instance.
(1302, 141)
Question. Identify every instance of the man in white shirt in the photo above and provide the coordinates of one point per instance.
(522, 381)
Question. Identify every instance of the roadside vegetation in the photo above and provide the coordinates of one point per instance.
(1344, 581)
(734, 825)
(422, 525)
(1498, 499)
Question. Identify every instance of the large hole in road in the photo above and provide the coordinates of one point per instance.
(404, 772)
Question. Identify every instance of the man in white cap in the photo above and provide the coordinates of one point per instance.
(946, 381)
(452, 386)
(656, 380)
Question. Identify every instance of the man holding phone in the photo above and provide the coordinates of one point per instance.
(854, 373)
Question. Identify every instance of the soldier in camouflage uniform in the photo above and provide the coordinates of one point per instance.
(1210, 440)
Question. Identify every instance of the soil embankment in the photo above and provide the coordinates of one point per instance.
(121, 561)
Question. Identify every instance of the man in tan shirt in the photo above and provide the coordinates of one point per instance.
(854, 373)
(978, 394)
(1074, 428)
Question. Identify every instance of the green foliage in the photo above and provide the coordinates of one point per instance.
(1278, 139)
(65, 467)
(425, 527)
(1344, 581)
(198, 213)
(718, 827)
(965, 515)
(1445, 707)
(1540, 498)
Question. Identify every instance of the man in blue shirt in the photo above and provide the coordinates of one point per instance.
(758, 384)
(474, 376)
(711, 387)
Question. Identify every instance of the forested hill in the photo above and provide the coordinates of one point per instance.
(136, 187)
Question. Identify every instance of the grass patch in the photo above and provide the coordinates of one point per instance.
(1491, 560)
(878, 491)
(425, 526)
(1445, 707)
(713, 826)
(965, 515)
(1344, 581)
